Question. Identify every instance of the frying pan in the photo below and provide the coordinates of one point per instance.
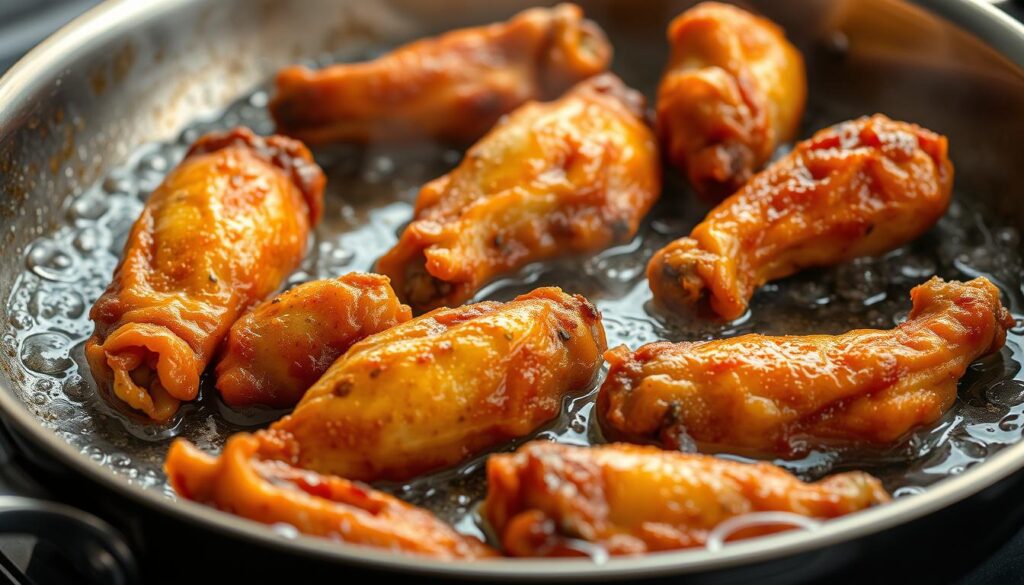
(128, 73)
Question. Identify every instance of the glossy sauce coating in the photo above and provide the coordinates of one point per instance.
(450, 88)
(240, 481)
(548, 499)
(222, 232)
(786, 395)
(860, 188)
(734, 90)
(280, 348)
(570, 176)
(443, 387)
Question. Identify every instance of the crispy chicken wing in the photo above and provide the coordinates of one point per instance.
(240, 481)
(734, 90)
(570, 176)
(784, 395)
(450, 88)
(280, 348)
(221, 232)
(436, 390)
(857, 189)
(548, 499)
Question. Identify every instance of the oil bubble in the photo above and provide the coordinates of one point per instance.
(47, 260)
(46, 353)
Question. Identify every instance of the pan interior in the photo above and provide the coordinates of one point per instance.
(859, 62)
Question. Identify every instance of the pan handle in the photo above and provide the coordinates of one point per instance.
(95, 548)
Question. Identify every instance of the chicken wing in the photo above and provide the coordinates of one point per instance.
(240, 481)
(785, 395)
(436, 390)
(859, 188)
(280, 348)
(548, 499)
(452, 88)
(570, 176)
(734, 90)
(221, 232)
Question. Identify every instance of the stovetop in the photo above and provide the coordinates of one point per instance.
(28, 560)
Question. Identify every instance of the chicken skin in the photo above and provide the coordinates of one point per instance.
(222, 232)
(438, 389)
(548, 499)
(786, 395)
(451, 88)
(860, 188)
(733, 91)
(280, 348)
(240, 481)
(571, 176)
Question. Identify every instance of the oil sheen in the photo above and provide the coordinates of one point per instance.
(369, 200)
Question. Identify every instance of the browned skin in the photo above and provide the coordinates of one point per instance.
(786, 395)
(222, 232)
(575, 175)
(280, 348)
(548, 499)
(860, 188)
(438, 389)
(241, 482)
(451, 88)
(734, 90)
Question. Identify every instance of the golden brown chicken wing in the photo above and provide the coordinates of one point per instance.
(785, 395)
(436, 390)
(570, 176)
(450, 88)
(221, 233)
(242, 482)
(857, 189)
(548, 499)
(733, 91)
(280, 348)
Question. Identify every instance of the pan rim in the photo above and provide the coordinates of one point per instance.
(114, 17)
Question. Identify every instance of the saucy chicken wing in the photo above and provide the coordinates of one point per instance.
(859, 188)
(570, 176)
(734, 90)
(280, 348)
(240, 481)
(440, 388)
(548, 499)
(221, 232)
(452, 88)
(785, 395)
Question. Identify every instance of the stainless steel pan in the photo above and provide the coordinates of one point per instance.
(131, 72)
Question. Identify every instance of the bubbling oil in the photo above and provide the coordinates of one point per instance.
(370, 193)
